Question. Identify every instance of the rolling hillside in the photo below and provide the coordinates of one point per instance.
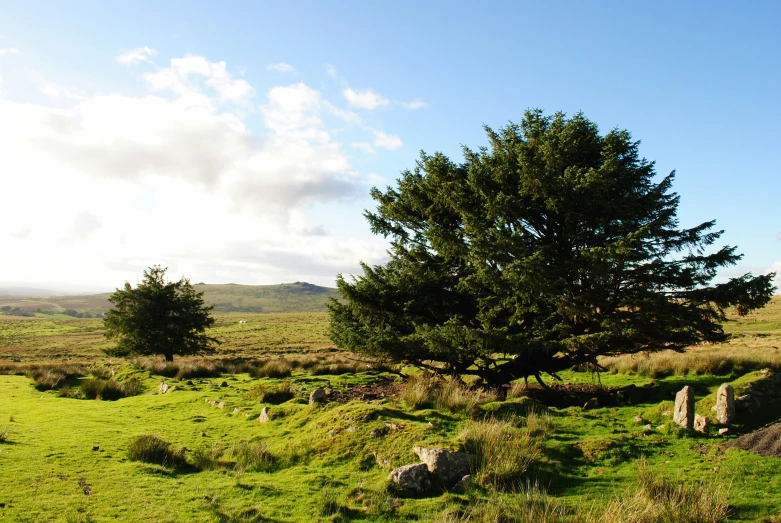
(286, 297)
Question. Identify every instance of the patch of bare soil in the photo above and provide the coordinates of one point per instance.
(765, 441)
(386, 389)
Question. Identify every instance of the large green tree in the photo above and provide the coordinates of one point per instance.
(159, 317)
(551, 247)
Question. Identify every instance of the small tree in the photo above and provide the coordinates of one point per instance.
(159, 318)
(550, 248)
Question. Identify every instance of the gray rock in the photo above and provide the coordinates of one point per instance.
(163, 388)
(684, 408)
(317, 396)
(648, 427)
(221, 405)
(263, 418)
(701, 423)
(463, 486)
(723, 431)
(447, 467)
(725, 404)
(638, 419)
(236, 410)
(414, 478)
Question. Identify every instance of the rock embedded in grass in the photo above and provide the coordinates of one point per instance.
(317, 396)
(414, 478)
(701, 423)
(163, 388)
(725, 404)
(264, 417)
(445, 466)
(684, 408)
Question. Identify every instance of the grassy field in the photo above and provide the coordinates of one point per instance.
(546, 458)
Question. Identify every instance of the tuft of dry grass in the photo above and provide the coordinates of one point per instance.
(661, 499)
(277, 368)
(720, 360)
(503, 451)
(529, 503)
(424, 391)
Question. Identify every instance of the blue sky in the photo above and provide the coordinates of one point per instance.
(270, 121)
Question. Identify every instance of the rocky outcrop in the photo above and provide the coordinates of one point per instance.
(683, 415)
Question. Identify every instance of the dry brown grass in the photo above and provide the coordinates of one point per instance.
(424, 391)
(503, 451)
(661, 499)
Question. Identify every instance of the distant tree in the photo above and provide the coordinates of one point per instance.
(548, 249)
(159, 317)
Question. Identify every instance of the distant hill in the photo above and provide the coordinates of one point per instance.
(286, 297)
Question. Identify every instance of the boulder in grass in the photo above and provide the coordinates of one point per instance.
(446, 467)
(413, 478)
(317, 396)
(725, 404)
(264, 417)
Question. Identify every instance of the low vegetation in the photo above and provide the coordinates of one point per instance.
(199, 451)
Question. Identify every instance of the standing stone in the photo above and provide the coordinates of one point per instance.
(263, 418)
(725, 404)
(317, 396)
(684, 408)
(162, 388)
(701, 423)
(414, 478)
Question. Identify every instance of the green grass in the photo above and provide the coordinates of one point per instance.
(330, 462)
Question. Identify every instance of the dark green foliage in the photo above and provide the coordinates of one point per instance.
(159, 318)
(549, 248)
(274, 394)
(110, 389)
(151, 449)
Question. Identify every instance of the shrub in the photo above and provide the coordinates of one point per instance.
(252, 457)
(151, 449)
(110, 390)
(503, 452)
(208, 458)
(48, 379)
(274, 394)
(278, 368)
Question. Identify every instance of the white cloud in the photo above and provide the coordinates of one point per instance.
(137, 56)
(362, 146)
(417, 103)
(181, 79)
(105, 170)
(775, 267)
(367, 99)
(282, 67)
(7, 51)
(387, 141)
(57, 92)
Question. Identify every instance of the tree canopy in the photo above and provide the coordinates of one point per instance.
(547, 249)
(159, 317)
